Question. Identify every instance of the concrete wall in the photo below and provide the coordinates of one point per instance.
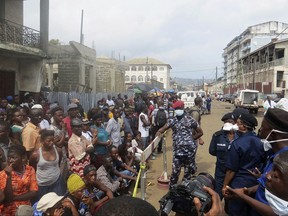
(76, 65)
(12, 11)
(28, 73)
(31, 75)
(68, 75)
(110, 75)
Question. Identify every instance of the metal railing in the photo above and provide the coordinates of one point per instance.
(264, 66)
(11, 32)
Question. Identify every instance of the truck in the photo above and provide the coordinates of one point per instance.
(247, 99)
(187, 97)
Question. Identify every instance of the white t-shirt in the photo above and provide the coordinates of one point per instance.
(143, 130)
(110, 102)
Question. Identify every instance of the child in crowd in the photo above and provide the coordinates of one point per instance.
(123, 169)
(137, 142)
(124, 155)
(132, 145)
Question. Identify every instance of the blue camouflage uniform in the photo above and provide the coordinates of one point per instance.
(184, 147)
(246, 153)
(219, 147)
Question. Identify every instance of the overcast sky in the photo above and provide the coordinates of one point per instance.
(190, 35)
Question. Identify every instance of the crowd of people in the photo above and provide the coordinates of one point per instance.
(85, 157)
(74, 163)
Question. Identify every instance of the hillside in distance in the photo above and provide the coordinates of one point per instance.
(187, 81)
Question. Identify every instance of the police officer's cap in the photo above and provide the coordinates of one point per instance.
(277, 119)
(238, 111)
(249, 120)
(178, 104)
(228, 116)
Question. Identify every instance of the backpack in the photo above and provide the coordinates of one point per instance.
(197, 111)
(160, 118)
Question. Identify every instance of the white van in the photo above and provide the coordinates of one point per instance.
(201, 93)
(187, 97)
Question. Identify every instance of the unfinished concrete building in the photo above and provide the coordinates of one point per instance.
(23, 51)
(71, 68)
(75, 68)
(110, 75)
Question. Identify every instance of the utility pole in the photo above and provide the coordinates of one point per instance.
(151, 72)
(216, 80)
(81, 31)
(254, 71)
(146, 79)
(243, 80)
(203, 83)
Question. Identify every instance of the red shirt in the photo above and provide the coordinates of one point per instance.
(67, 121)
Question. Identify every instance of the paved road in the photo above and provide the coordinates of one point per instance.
(205, 162)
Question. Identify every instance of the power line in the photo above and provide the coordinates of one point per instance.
(192, 71)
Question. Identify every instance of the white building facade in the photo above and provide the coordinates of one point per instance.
(144, 69)
(253, 38)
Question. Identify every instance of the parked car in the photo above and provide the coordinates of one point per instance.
(233, 98)
(229, 98)
(247, 99)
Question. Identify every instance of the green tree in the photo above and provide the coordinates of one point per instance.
(54, 42)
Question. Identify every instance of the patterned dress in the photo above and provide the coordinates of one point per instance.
(20, 185)
(78, 158)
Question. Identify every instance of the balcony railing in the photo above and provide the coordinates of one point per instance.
(11, 32)
(264, 66)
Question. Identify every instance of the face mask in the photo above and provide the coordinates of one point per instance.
(235, 127)
(267, 144)
(228, 126)
(279, 206)
(179, 112)
(100, 106)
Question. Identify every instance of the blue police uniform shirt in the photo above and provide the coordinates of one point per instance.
(219, 147)
(246, 152)
(260, 193)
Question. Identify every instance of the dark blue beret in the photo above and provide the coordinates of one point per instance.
(249, 120)
(277, 119)
(228, 116)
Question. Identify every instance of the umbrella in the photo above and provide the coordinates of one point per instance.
(156, 91)
(143, 87)
(137, 91)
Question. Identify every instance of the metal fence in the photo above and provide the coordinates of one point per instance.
(11, 32)
(87, 100)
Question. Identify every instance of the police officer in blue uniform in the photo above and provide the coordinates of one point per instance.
(219, 147)
(245, 153)
(274, 134)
